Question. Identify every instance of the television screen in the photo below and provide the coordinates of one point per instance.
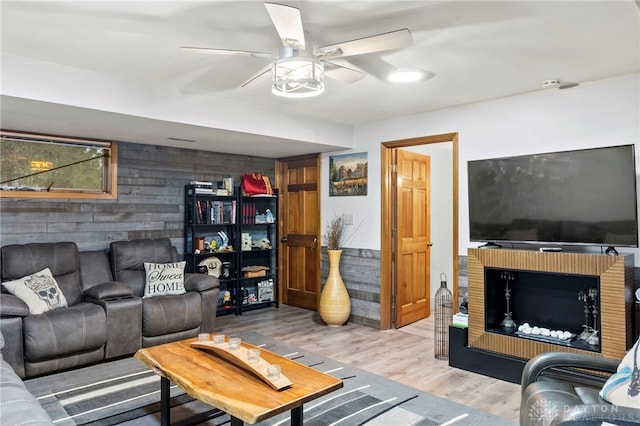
(585, 197)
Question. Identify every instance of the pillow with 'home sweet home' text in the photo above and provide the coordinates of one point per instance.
(164, 279)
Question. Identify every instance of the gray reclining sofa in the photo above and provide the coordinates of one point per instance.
(107, 316)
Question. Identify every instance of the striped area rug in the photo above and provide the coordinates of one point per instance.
(126, 392)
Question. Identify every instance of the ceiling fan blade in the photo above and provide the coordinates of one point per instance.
(288, 23)
(228, 52)
(342, 73)
(377, 43)
(264, 72)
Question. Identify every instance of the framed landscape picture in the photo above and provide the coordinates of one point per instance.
(348, 174)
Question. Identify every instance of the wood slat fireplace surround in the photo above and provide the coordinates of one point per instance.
(616, 298)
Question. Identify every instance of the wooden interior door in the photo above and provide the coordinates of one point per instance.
(298, 179)
(413, 242)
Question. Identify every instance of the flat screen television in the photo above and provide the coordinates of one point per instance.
(578, 197)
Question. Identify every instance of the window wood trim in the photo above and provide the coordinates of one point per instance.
(112, 184)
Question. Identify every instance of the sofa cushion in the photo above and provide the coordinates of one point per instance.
(128, 258)
(163, 279)
(171, 314)
(78, 328)
(94, 268)
(39, 291)
(19, 260)
(623, 387)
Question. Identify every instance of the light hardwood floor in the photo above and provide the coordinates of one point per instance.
(405, 355)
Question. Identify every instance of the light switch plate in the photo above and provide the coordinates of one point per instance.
(348, 218)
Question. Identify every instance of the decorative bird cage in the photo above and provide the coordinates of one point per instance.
(444, 316)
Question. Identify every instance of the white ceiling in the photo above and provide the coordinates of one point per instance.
(114, 70)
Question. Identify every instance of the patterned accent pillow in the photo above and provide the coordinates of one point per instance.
(164, 279)
(39, 291)
(623, 387)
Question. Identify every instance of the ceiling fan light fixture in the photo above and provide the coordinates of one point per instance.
(297, 77)
(406, 75)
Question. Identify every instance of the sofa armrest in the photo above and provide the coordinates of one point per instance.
(11, 306)
(200, 282)
(108, 290)
(544, 362)
(18, 405)
(124, 316)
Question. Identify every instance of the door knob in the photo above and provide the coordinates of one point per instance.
(429, 244)
(283, 240)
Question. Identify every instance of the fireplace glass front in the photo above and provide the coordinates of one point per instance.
(555, 308)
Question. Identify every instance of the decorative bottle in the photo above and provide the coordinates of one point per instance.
(443, 319)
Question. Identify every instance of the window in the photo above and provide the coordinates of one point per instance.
(38, 166)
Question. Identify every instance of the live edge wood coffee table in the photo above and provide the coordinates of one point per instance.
(230, 387)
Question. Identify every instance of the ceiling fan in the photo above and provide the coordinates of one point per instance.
(299, 68)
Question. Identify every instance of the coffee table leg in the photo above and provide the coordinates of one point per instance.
(296, 416)
(236, 421)
(165, 399)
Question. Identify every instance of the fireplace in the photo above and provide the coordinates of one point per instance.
(549, 290)
(552, 302)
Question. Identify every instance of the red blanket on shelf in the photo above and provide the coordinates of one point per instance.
(255, 183)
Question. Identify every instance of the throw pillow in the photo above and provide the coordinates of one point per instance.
(623, 387)
(39, 291)
(164, 279)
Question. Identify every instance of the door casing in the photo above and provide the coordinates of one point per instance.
(386, 220)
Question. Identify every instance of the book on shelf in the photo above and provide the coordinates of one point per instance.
(202, 187)
(265, 290)
(248, 213)
(200, 211)
(222, 212)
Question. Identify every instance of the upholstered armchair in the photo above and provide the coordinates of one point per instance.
(554, 392)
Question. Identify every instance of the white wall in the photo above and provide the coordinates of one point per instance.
(600, 113)
(441, 214)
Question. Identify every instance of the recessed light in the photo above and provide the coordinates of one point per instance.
(406, 75)
(550, 84)
(558, 84)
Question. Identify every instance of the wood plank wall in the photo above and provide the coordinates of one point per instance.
(150, 200)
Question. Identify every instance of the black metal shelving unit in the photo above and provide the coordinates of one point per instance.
(207, 215)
